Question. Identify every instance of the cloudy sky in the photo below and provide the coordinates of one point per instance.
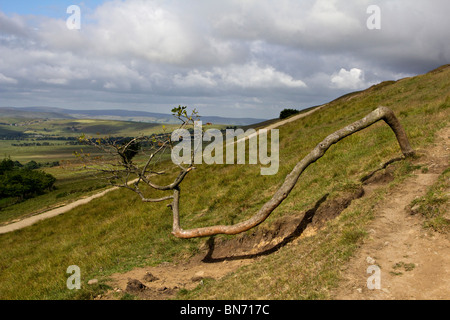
(235, 58)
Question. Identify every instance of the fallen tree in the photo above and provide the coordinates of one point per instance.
(144, 174)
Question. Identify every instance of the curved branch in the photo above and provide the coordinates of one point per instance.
(171, 186)
(381, 113)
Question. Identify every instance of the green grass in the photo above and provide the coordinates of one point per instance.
(118, 232)
(74, 128)
(41, 154)
(71, 184)
(434, 205)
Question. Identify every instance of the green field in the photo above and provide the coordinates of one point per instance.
(47, 141)
(38, 130)
(47, 131)
(54, 141)
(74, 128)
(57, 152)
(119, 232)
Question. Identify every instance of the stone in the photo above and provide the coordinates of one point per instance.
(150, 277)
(370, 260)
(135, 285)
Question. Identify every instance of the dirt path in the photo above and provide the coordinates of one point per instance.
(283, 122)
(50, 214)
(293, 118)
(414, 263)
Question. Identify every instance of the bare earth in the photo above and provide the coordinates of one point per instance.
(414, 262)
(163, 282)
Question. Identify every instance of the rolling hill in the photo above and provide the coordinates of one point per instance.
(122, 115)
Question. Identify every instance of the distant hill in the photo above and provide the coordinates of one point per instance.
(32, 113)
(123, 115)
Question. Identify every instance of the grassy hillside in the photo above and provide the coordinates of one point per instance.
(72, 183)
(119, 232)
(28, 114)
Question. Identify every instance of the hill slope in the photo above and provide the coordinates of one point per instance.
(296, 254)
(413, 260)
(116, 114)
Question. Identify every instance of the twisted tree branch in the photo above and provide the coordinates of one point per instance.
(381, 113)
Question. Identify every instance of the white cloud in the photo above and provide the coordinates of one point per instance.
(254, 76)
(352, 79)
(7, 80)
(141, 29)
(333, 20)
(57, 81)
(239, 76)
(13, 26)
(195, 78)
(110, 85)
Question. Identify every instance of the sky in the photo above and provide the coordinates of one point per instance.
(229, 58)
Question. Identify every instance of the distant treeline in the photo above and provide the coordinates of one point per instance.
(288, 112)
(152, 140)
(12, 135)
(28, 136)
(19, 182)
(43, 144)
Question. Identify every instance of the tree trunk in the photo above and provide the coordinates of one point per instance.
(381, 113)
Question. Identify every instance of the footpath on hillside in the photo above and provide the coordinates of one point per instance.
(406, 260)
